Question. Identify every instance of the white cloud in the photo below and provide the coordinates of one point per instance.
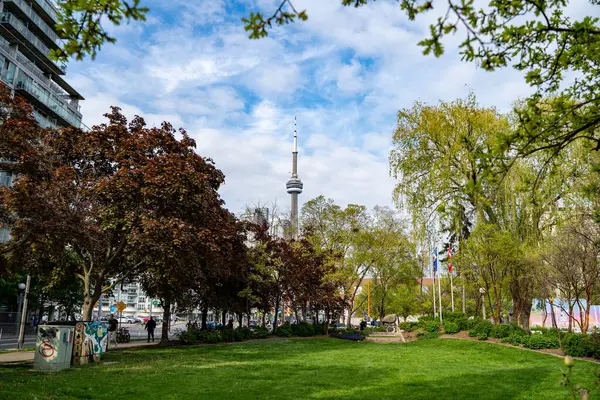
(344, 73)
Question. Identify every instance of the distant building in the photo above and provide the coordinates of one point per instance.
(137, 301)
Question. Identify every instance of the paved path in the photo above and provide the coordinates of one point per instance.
(23, 356)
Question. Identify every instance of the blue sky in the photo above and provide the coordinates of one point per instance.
(344, 73)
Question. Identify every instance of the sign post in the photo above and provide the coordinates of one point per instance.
(121, 307)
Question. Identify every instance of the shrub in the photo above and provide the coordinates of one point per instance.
(539, 341)
(428, 335)
(319, 329)
(284, 330)
(451, 328)
(228, 335)
(481, 329)
(515, 339)
(458, 318)
(209, 337)
(260, 332)
(302, 329)
(424, 320)
(376, 329)
(242, 333)
(408, 326)
(432, 326)
(188, 336)
(500, 331)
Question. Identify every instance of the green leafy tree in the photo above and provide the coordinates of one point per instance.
(80, 24)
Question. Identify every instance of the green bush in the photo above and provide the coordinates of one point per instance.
(428, 335)
(319, 329)
(377, 328)
(242, 333)
(539, 341)
(424, 320)
(302, 329)
(500, 331)
(408, 326)
(188, 336)
(515, 339)
(578, 345)
(451, 328)
(284, 330)
(458, 318)
(481, 329)
(209, 337)
(260, 332)
(432, 326)
(228, 335)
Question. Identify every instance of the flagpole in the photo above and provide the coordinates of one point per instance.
(433, 287)
(440, 296)
(450, 273)
(452, 290)
(439, 283)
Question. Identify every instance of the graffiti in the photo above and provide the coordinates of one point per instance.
(46, 349)
(91, 339)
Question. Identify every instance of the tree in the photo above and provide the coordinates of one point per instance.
(396, 266)
(91, 193)
(344, 233)
(486, 258)
(182, 231)
(444, 160)
(572, 257)
(80, 24)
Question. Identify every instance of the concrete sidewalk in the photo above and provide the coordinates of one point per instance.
(24, 356)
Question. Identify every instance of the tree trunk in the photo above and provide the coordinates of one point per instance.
(553, 316)
(204, 317)
(570, 316)
(264, 319)
(224, 318)
(165, 323)
(544, 314)
(524, 316)
(240, 319)
(326, 322)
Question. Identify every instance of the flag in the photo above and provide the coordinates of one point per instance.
(449, 257)
(435, 262)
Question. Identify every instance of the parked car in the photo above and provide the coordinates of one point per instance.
(128, 320)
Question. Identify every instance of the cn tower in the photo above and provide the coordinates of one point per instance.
(294, 186)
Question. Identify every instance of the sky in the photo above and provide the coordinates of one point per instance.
(344, 74)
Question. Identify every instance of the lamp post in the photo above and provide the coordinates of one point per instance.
(23, 313)
(482, 291)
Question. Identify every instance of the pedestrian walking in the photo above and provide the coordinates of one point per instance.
(150, 326)
(112, 329)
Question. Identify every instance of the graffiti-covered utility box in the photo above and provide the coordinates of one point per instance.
(91, 340)
(53, 348)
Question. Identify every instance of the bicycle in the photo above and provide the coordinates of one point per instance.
(123, 335)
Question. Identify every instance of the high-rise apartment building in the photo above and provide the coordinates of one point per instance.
(27, 35)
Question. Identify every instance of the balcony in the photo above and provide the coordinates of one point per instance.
(46, 101)
(25, 11)
(32, 46)
(31, 69)
(47, 11)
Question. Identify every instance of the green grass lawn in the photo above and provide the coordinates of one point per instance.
(305, 369)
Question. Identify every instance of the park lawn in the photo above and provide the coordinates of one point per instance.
(306, 369)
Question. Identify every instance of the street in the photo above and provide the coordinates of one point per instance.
(137, 331)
